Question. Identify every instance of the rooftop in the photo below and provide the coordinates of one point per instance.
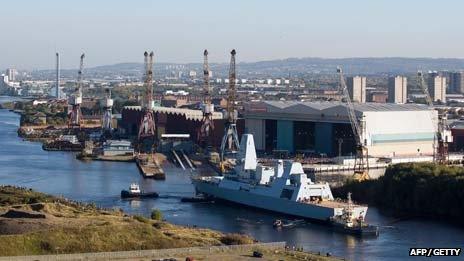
(327, 107)
(371, 106)
(187, 113)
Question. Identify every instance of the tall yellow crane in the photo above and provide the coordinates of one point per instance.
(361, 161)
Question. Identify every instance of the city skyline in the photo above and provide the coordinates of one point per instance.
(111, 32)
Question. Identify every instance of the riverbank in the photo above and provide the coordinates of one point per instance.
(270, 251)
(414, 189)
(33, 223)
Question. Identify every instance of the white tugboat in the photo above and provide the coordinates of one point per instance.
(135, 192)
(349, 223)
(284, 188)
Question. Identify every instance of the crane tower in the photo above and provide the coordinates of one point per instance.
(207, 124)
(147, 123)
(361, 161)
(230, 141)
(57, 81)
(75, 101)
(107, 116)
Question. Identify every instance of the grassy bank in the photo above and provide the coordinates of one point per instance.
(71, 227)
(33, 223)
(414, 189)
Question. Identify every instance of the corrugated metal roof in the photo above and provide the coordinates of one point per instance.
(188, 113)
(286, 106)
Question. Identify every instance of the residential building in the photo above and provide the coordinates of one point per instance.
(11, 74)
(357, 88)
(437, 88)
(397, 89)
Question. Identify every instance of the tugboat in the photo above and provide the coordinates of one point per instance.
(348, 223)
(135, 192)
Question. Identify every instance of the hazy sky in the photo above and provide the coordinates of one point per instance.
(113, 31)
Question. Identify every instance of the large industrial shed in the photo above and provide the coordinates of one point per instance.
(324, 127)
(175, 121)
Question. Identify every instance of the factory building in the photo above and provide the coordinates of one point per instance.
(397, 89)
(324, 127)
(357, 88)
(437, 88)
(174, 121)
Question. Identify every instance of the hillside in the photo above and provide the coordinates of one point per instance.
(33, 223)
(296, 67)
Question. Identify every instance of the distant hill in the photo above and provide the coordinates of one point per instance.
(391, 65)
(296, 67)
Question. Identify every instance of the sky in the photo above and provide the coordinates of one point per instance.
(116, 31)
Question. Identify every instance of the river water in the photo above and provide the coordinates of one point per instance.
(24, 163)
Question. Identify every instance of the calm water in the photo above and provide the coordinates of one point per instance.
(25, 164)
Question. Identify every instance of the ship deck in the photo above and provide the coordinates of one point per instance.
(333, 204)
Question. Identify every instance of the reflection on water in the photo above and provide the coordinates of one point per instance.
(26, 164)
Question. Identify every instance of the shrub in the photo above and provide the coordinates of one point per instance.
(236, 239)
(156, 214)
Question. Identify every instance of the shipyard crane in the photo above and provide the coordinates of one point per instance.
(147, 122)
(75, 101)
(289, 91)
(230, 141)
(207, 124)
(361, 161)
(443, 133)
(107, 116)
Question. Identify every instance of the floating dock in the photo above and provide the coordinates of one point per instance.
(149, 168)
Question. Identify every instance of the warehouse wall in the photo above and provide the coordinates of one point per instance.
(285, 135)
(401, 149)
(388, 133)
(323, 137)
(256, 127)
(399, 132)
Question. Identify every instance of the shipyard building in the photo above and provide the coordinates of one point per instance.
(174, 121)
(389, 130)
